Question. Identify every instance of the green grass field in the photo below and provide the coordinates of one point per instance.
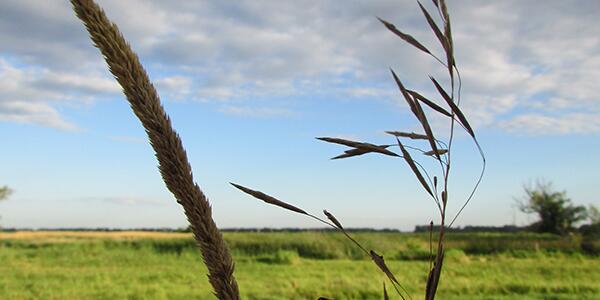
(301, 265)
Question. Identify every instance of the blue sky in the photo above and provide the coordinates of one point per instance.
(249, 85)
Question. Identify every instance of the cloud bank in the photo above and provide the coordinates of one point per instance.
(526, 69)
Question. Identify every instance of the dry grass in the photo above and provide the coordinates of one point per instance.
(174, 167)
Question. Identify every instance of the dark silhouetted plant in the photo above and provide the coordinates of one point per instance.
(433, 147)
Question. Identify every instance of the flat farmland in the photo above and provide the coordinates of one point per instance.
(291, 265)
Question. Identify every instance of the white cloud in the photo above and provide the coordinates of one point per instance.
(34, 113)
(577, 123)
(516, 58)
(177, 87)
(29, 95)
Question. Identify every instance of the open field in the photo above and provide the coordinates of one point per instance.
(283, 265)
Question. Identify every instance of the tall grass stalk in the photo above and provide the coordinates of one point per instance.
(435, 147)
(173, 163)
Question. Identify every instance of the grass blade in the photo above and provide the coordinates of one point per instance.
(382, 266)
(461, 117)
(434, 27)
(429, 103)
(380, 262)
(410, 135)
(414, 168)
(404, 91)
(439, 152)
(428, 285)
(385, 294)
(448, 35)
(426, 128)
(356, 152)
(406, 37)
(359, 145)
(333, 219)
(269, 199)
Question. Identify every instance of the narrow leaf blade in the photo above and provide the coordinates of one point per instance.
(268, 199)
(426, 127)
(385, 294)
(356, 152)
(434, 27)
(359, 145)
(414, 168)
(378, 260)
(439, 152)
(405, 94)
(406, 37)
(410, 135)
(333, 219)
(429, 103)
(461, 117)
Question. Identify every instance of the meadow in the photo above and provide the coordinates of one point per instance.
(292, 265)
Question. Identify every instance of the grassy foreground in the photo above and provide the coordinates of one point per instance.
(302, 265)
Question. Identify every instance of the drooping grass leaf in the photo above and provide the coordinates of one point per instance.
(448, 35)
(406, 37)
(423, 119)
(382, 266)
(357, 152)
(385, 294)
(439, 152)
(359, 145)
(405, 93)
(410, 135)
(269, 199)
(434, 27)
(333, 219)
(414, 168)
(429, 103)
(461, 117)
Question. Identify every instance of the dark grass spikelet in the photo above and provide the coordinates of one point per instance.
(410, 135)
(333, 219)
(174, 167)
(269, 199)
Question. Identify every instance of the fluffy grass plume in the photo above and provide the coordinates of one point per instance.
(174, 167)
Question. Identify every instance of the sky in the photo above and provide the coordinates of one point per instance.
(250, 84)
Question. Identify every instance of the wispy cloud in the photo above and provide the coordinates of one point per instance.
(177, 87)
(29, 95)
(34, 113)
(536, 124)
(260, 112)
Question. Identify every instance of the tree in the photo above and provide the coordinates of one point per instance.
(556, 212)
(5, 192)
(593, 214)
